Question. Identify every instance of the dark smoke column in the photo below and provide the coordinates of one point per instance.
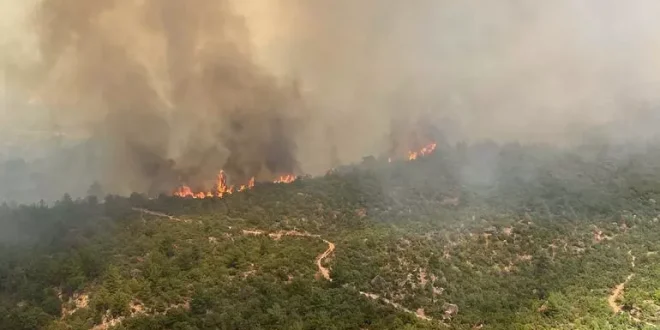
(188, 104)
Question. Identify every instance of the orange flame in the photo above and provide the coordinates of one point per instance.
(249, 185)
(220, 189)
(184, 191)
(425, 151)
(288, 178)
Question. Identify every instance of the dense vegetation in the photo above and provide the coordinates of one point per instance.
(482, 236)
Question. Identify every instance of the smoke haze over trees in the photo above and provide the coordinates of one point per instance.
(145, 95)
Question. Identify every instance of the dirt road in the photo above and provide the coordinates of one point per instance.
(395, 305)
(618, 290)
(159, 214)
(617, 293)
(325, 272)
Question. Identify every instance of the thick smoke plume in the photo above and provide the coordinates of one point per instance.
(169, 91)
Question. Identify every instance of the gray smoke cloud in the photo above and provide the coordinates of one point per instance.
(559, 72)
(168, 88)
(172, 91)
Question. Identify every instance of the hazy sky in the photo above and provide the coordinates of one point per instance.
(499, 66)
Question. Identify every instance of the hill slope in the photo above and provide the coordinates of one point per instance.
(484, 236)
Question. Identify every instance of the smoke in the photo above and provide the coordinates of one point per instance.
(505, 70)
(171, 91)
(168, 87)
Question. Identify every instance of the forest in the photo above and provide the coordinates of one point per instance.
(472, 236)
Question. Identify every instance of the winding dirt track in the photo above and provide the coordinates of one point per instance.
(618, 290)
(395, 305)
(158, 214)
(616, 293)
(324, 271)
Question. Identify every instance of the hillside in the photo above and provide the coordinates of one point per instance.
(469, 237)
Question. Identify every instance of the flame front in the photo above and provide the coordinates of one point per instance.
(425, 151)
(288, 178)
(184, 191)
(249, 185)
(222, 189)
